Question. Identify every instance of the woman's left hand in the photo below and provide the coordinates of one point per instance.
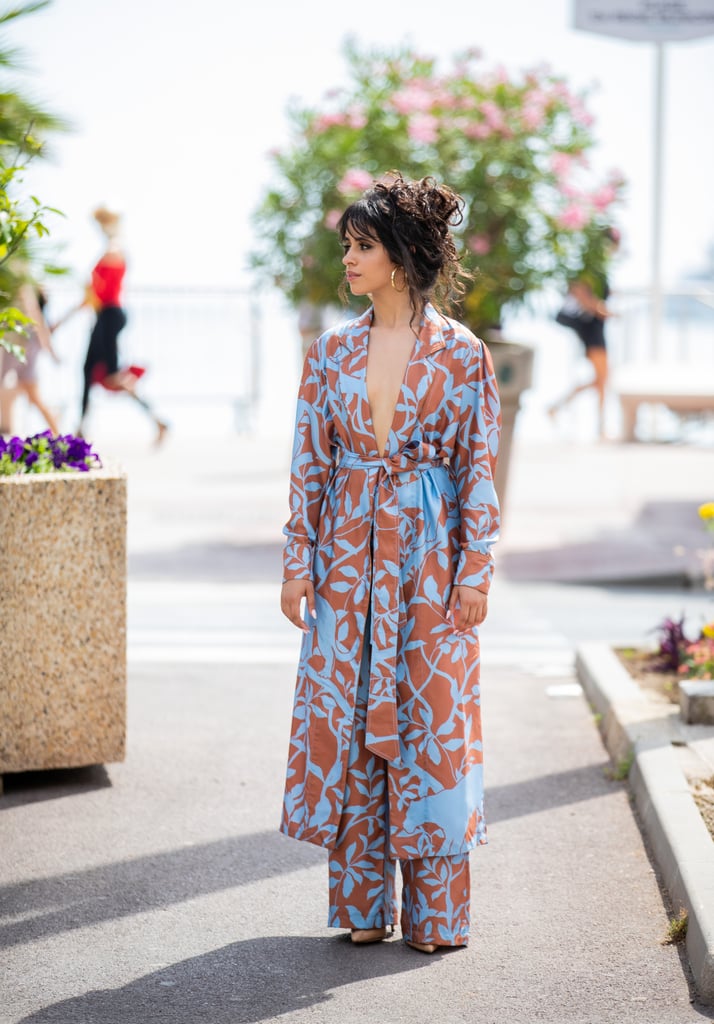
(467, 607)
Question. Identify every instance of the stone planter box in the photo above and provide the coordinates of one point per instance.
(63, 620)
(513, 366)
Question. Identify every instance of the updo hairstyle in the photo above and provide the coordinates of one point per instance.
(412, 220)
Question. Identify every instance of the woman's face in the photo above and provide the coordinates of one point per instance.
(368, 268)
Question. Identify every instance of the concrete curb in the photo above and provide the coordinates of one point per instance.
(634, 726)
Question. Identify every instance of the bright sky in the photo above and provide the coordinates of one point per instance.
(176, 104)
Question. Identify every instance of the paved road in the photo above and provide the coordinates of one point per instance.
(160, 890)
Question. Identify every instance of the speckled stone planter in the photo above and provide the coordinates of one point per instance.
(62, 620)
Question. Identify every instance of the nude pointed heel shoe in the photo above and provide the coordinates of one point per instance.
(423, 947)
(361, 936)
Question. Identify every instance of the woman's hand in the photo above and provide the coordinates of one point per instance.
(469, 606)
(291, 597)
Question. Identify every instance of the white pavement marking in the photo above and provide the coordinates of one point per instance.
(177, 622)
(240, 624)
(208, 654)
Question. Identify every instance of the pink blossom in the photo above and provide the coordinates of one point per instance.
(412, 99)
(326, 121)
(602, 198)
(356, 117)
(561, 164)
(533, 117)
(355, 180)
(477, 130)
(423, 128)
(534, 107)
(480, 244)
(573, 218)
(535, 97)
(493, 114)
(561, 90)
(578, 109)
(332, 219)
(581, 115)
(443, 97)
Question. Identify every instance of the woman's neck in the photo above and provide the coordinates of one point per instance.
(393, 311)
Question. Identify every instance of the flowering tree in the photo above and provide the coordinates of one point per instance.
(516, 149)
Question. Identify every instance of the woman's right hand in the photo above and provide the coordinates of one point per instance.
(291, 597)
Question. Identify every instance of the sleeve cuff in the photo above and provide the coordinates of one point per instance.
(474, 570)
(297, 560)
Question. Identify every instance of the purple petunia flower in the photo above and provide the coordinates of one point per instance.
(15, 447)
(77, 449)
(31, 458)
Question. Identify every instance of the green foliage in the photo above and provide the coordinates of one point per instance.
(24, 128)
(515, 148)
(677, 929)
(621, 771)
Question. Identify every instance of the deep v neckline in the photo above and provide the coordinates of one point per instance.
(392, 419)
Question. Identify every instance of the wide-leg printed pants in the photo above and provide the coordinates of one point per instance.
(435, 890)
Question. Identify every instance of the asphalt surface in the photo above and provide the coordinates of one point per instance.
(159, 889)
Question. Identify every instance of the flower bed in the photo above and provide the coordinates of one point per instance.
(658, 672)
(46, 453)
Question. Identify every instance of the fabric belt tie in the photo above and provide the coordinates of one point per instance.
(382, 736)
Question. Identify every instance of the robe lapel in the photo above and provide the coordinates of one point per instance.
(350, 385)
(417, 381)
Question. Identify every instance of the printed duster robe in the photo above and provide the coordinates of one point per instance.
(384, 537)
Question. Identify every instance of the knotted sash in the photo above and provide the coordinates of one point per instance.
(382, 735)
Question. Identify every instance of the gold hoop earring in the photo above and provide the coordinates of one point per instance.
(391, 278)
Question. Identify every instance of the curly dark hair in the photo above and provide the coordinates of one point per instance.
(412, 220)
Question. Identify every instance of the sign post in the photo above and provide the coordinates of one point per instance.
(657, 21)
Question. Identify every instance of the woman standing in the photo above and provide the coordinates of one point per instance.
(393, 515)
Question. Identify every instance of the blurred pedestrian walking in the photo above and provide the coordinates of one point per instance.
(585, 310)
(21, 378)
(104, 295)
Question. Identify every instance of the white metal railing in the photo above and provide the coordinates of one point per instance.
(686, 333)
(201, 348)
(231, 356)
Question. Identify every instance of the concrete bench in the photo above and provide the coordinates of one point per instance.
(685, 390)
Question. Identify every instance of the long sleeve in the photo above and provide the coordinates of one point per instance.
(311, 464)
(474, 466)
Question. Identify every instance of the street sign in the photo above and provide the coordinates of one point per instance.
(655, 21)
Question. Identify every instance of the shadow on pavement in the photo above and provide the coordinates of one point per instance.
(79, 899)
(210, 563)
(254, 980)
(22, 788)
(659, 548)
(545, 792)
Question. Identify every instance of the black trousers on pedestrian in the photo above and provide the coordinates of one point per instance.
(102, 358)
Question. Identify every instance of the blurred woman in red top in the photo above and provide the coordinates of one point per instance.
(104, 295)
